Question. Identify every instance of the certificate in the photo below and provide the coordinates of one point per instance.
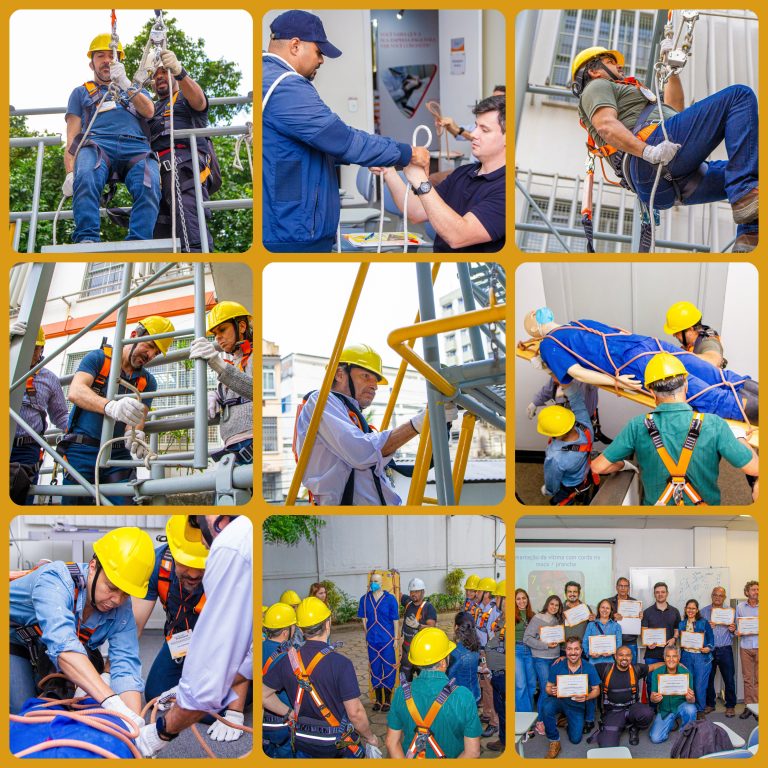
(694, 640)
(629, 609)
(571, 685)
(602, 644)
(747, 625)
(723, 616)
(577, 615)
(554, 634)
(630, 626)
(654, 636)
(673, 685)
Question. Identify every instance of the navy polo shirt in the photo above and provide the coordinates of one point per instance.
(654, 618)
(485, 195)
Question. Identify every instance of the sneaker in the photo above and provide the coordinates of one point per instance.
(495, 746)
(745, 210)
(491, 730)
(554, 750)
(634, 736)
(745, 243)
(729, 712)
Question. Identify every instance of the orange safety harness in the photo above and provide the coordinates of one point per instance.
(632, 686)
(163, 585)
(483, 615)
(678, 483)
(422, 733)
(275, 655)
(470, 606)
(590, 478)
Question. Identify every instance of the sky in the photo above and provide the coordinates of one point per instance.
(226, 33)
(303, 304)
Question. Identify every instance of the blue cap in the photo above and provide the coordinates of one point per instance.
(305, 26)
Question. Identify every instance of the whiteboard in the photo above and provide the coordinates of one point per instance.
(683, 583)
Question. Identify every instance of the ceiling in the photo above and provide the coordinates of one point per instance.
(682, 522)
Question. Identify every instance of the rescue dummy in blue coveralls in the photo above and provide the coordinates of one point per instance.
(380, 613)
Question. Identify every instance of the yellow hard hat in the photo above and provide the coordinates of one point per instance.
(501, 589)
(279, 616)
(472, 581)
(429, 646)
(128, 559)
(40, 340)
(555, 421)
(582, 57)
(223, 311)
(264, 609)
(487, 584)
(663, 366)
(364, 356)
(155, 324)
(101, 43)
(680, 316)
(186, 543)
(289, 597)
(311, 611)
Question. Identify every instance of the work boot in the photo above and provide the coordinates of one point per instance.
(745, 714)
(729, 712)
(746, 243)
(554, 750)
(634, 736)
(495, 746)
(708, 709)
(387, 699)
(745, 209)
(377, 704)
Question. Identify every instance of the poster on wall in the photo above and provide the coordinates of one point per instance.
(407, 71)
(458, 56)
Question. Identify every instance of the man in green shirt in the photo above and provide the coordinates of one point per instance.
(660, 436)
(455, 730)
(669, 706)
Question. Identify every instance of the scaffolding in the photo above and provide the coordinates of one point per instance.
(35, 215)
(478, 386)
(232, 485)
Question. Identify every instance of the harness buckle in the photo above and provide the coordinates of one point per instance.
(304, 684)
(422, 739)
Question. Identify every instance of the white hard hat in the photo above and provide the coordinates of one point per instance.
(415, 585)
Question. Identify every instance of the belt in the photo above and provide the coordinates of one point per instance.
(18, 442)
(79, 439)
(20, 651)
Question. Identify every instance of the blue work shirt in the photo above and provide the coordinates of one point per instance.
(566, 467)
(723, 635)
(88, 422)
(112, 122)
(46, 597)
(380, 617)
(560, 667)
(466, 190)
(268, 647)
(462, 667)
(180, 607)
(623, 347)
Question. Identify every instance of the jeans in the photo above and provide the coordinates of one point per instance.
(699, 665)
(29, 455)
(525, 678)
(633, 647)
(83, 459)
(22, 682)
(541, 667)
(722, 657)
(730, 115)
(661, 726)
(574, 714)
(91, 174)
(499, 683)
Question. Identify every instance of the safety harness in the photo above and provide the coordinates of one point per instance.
(228, 402)
(163, 586)
(632, 687)
(483, 615)
(471, 607)
(422, 733)
(591, 479)
(678, 483)
(705, 332)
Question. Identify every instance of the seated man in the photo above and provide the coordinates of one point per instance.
(599, 354)
(573, 708)
(670, 707)
(468, 208)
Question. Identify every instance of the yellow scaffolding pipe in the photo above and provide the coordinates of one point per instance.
(462, 453)
(403, 367)
(325, 390)
(398, 339)
(421, 465)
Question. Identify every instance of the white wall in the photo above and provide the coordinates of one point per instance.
(494, 51)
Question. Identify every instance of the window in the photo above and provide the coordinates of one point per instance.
(447, 309)
(268, 381)
(270, 482)
(269, 434)
(105, 277)
(285, 404)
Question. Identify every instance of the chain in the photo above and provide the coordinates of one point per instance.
(175, 174)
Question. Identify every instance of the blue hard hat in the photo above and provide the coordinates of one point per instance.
(305, 26)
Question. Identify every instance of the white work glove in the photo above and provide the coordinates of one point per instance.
(170, 62)
(544, 491)
(537, 363)
(132, 444)
(118, 76)
(531, 409)
(202, 349)
(148, 742)
(128, 410)
(666, 46)
(738, 432)
(629, 467)
(451, 413)
(19, 328)
(105, 676)
(115, 704)
(167, 699)
(662, 153)
(222, 732)
(373, 753)
(412, 622)
(213, 404)
(68, 187)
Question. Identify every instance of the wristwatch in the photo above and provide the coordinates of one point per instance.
(423, 188)
(161, 732)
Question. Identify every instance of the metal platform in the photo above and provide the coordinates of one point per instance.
(164, 245)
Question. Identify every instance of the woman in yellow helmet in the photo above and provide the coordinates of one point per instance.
(231, 325)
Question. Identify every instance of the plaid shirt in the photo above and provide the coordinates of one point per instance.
(48, 398)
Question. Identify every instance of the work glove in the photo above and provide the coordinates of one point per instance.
(213, 405)
(202, 349)
(537, 363)
(451, 414)
(170, 62)
(372, 753)
(544, 491)
(412, 622)
(531, 409)
(629, 467)
(118, 76)
(738, 432)
(222, 732)
(128, 410)
(132, 444)
(666, 46)
(148, 742)
(19, 328)
(662, 153)
(115, 704)
(167, 699)
(68, 187)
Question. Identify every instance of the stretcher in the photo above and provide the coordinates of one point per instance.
(527, 350)
(390, 582)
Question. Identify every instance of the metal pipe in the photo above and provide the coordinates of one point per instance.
(525, 39)
(486, 414)
(201, 366)
(35, 141)
(471, 372)
(201, 222)
(159, 393)
(549, 226)
(462, 453)
(32, 234)
(156, 471)
(550, 90)
(164, 412)
(465, 283)
(325, 389)
(434, 403)
(154, 336)
(17, 234)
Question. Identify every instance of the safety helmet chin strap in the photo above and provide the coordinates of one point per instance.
(93, 584)
(605, 69)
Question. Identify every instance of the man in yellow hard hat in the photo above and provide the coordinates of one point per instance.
(348, 461)
(61, 613)
(43, 396)
(231, 324)
(432, 717)
(678, 450)
(291, 597)
(114, 114)
(684, 323)
(470, 594)
(325, 714)
(622, 117)
(87, 392)
(485, 617)
(279, 626)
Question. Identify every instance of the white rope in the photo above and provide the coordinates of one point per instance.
(414, 139)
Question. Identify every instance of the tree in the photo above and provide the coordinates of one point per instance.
(291, 529)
